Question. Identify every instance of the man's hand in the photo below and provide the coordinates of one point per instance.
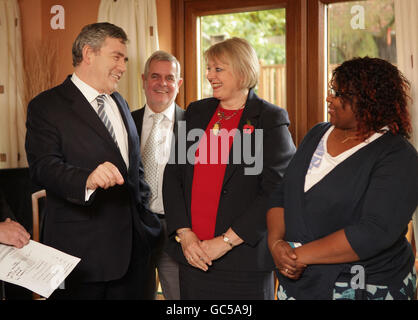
(14, 234)
(106, 175)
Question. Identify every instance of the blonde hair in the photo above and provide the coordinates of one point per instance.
(241, 56)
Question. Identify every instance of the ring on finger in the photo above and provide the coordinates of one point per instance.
(286, 270)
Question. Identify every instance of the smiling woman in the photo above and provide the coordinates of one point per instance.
(214, 208)
(349, 194)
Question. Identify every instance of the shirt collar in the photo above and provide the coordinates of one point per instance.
(168, 113)
(88, 92)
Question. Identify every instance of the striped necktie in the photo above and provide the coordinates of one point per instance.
(103, 116)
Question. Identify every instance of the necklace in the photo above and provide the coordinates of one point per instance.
(221, 117)
(346, 137)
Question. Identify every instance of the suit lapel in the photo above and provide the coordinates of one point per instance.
(200, 120)
(83, 109)
(133, 139)
(250, 115)
(139, 119)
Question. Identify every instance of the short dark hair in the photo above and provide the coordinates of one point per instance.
(378, 93)
(94, 35)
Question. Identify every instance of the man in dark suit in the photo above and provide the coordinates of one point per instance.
(161, 82)
(83, 148)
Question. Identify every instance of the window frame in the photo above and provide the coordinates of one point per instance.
(305, 29)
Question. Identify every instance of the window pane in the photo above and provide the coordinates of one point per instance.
(265, 31)
(359, 29)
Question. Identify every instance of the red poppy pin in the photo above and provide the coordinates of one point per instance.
(248, 128)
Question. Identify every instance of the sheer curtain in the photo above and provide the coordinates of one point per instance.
(12, 108)
(406, 17)
(139, 20)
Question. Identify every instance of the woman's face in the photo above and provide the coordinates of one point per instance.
(224, 82)
(341, 113)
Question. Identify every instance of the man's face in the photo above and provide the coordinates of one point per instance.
(161, 85)
(108, 65)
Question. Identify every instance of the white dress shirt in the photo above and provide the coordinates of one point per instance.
(112, 112)
(166, 133)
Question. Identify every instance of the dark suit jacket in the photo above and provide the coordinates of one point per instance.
(244, 198)
(65, 142)
(5, 211)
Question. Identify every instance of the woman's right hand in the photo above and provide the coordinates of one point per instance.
(285, 260)
(192, 250)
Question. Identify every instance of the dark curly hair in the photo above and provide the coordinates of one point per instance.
(378, 93)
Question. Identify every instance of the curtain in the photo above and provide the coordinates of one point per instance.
(12, 109)
(139, 20)
(406, 17)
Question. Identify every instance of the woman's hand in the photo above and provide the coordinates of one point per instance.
(216, 247)
(192, 250)
(285, 260)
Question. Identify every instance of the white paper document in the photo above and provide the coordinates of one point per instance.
(36, 267)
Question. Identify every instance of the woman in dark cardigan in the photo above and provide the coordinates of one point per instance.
(216, 203)
(338, 222)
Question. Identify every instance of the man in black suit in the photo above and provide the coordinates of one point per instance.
(83, 148)
(161, 82)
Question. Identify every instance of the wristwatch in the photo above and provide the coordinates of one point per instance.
(227, 240)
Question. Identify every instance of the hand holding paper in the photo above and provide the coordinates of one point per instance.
(36, 267)
(14, 234)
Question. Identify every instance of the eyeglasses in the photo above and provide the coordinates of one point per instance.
(337, 93)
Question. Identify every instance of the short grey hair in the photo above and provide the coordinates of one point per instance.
(161, 55)
(94, 35)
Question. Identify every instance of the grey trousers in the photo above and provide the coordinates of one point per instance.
(168, 272)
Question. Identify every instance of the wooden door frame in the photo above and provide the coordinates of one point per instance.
(305, 42)
(185, 13)
(316, 62)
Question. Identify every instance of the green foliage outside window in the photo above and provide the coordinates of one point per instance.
(265, 30)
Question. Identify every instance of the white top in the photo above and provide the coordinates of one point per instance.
(166, 133)
(112, 112)
(323, 163)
